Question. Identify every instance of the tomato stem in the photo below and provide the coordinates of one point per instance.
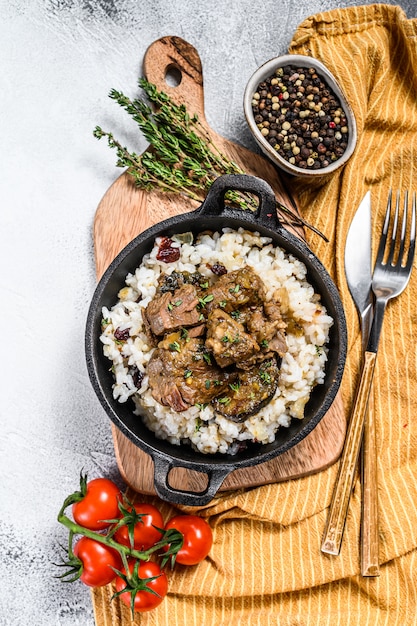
(76, 529)
(171, 538)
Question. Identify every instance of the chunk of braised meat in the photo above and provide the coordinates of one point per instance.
(152, 339)
(228, 340)
(268, 327)
(196, 331)
(235, 289)
(277, 341)
(252, 390)
(163, 385)
(182, 372)
(169, 311)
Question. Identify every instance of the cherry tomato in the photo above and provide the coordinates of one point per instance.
(145, 600)
(98, 560)
(99, 503)
(198, 538)
(145, 535)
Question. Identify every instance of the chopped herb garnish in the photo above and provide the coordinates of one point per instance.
(169, 306)
(217, 382)
(235, 289)
(201, 318)
(265, 377)
(177, 302)
(235, 314)
(204, 285)
(198, 423)
(236, 339)
(207, 384)
(225, 339)
(235, 386)
(184, 333)
(207, 358)
(319, 350)
(203, 301)
(201, 406)
(226, 400)
(264, 343)
(187, 373)
(175, 346)
(222, 303)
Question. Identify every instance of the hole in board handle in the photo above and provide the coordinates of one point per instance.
(173, 76)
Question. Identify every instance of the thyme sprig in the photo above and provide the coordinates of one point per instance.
(181, 158)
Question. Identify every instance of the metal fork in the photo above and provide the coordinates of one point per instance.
(392, 272)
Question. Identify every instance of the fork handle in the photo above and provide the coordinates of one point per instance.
(369, 530)
(333, 533)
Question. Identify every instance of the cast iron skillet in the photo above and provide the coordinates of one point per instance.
(213, 215)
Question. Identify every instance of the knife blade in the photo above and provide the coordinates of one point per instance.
(358, 270)
(358, 264)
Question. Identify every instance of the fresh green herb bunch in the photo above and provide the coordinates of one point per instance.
(181, 158)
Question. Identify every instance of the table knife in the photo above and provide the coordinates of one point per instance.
(358, 269)
(358, 265)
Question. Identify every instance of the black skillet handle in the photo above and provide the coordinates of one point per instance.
(266, 213)
(162, 467)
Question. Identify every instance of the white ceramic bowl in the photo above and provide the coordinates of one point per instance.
(266, 71)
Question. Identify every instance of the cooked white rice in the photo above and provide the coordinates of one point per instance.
(303, 365)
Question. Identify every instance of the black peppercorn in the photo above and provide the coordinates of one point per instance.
(300, 116)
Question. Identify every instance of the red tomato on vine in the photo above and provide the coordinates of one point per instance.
(143, 523)
(146, 586)
(100, 503)
(198, 538)
(97, 562)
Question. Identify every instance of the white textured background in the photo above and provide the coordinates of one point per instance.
(59, 59)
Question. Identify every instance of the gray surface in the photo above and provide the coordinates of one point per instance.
(59, 60)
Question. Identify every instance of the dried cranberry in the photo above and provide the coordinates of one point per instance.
(121, 335)
(218, 269)
(166, 253)
(136, 375)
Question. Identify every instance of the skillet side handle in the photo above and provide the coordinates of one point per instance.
(190, 498)
(266, 214)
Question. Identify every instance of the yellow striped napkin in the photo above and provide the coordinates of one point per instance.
(266, 566)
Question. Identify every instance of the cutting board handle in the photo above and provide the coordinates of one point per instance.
(174, 66)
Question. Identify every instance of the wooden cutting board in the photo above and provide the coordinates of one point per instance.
(125, 211)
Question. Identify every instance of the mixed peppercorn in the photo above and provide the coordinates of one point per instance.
(301, 118)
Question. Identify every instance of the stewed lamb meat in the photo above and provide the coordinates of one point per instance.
(219, 341)
(169, 311)
(236, 289)
(228, 340)
(183, 373)
(251, 391)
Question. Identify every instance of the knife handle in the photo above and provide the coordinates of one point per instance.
(369, 530)
(339, 505)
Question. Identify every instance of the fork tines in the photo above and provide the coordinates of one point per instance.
(393, 254)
